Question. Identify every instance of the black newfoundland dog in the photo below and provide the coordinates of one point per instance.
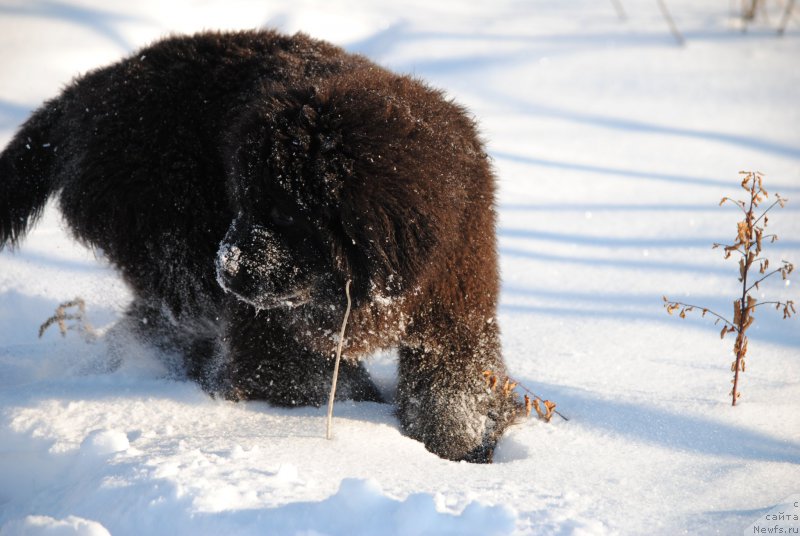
(239, 180)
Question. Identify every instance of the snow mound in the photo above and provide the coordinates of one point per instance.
(47, 526)
(104, 442)
(361, 508)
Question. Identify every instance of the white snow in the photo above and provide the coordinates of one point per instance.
(104, 442)
(47, 526)
(612, 146)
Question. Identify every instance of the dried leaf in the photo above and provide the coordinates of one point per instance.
(550, 407)
(508, 387)
(537, 408)
(743, 231)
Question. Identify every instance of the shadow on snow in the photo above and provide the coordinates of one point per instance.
(98, 21)
(670, 430)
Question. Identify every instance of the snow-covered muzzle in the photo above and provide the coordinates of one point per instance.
(255, 265)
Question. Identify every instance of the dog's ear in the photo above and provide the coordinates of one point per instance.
(391, 246)
(388, 212)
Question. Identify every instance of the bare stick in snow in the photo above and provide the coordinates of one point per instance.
(338, 359)
(620, 10)
(672, 27)
(787, 13)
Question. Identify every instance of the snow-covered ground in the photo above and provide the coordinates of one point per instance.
(612, 145)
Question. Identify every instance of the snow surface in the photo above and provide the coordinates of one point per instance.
(612, 145)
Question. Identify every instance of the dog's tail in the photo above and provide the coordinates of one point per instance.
(29, 173)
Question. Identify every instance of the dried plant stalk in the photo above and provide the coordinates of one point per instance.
(329, 431)
(750, 238)
(62, 316)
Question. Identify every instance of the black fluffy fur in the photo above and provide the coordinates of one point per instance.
(238, 180)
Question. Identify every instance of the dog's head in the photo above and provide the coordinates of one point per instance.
(344, 181)
(260, 263)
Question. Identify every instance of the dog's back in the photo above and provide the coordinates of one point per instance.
(135, 151)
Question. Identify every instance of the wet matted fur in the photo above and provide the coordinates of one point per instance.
(238, 180)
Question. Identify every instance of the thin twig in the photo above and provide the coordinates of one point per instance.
(620, 10)
(672, 27)
(759, 304)
(739, 204)
(338, 360)
(754, 285)
(729, 249)
(534, 395)
(778, 202)
(705, 309)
